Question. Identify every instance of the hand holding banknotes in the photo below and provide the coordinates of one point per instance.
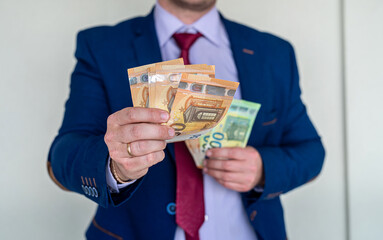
(136, 140)
(239, 169)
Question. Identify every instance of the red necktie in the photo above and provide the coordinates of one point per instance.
(184, 42)
(189, 198)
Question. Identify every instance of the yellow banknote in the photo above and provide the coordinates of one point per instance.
(199, 104)
(164, 80)
(138, 80)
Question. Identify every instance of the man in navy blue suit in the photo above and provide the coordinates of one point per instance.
(116, 155)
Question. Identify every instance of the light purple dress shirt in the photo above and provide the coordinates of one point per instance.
(225, 216)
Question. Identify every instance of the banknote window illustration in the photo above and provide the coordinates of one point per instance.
(231, 92)
(144, 78)
(195, 113)
(195, 87)
(174, 77)
(203, 110)
(206, 116)
(243, 109)
(132, 80)
(236, 128)
(183, 85)
(214, 90)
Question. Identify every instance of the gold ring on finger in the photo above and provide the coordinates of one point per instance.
(129, 150)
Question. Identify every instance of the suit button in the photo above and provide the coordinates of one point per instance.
(84, 189)
(91, 192)
(87, 192)
(171, 208)
(95, 192)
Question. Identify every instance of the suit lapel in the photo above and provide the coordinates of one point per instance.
(148, 51)
(254, 73)
(247, 60)
(146, 43)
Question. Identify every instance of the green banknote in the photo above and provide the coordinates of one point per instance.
(234, 130)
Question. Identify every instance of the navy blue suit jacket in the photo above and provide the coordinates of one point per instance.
(290, 147)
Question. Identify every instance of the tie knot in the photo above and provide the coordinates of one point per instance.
(185, 40)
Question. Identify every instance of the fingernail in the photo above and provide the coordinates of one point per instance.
(171, 132)
(208, 153)
(164, 116)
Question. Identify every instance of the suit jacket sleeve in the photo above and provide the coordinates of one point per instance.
(78, 155)
(300, 154)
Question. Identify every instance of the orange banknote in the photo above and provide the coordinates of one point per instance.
(200, 103)
(164, 80)
(138, 80)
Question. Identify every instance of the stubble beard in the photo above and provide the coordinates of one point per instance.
(195, 6)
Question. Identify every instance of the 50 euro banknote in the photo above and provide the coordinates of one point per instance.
(233, 131)
(164, 80)
(138, 81)
(200, 103)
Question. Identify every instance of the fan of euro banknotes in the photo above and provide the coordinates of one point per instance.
(201, 107)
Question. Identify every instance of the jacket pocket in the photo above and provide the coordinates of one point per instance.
(96, 232)
(270, 118)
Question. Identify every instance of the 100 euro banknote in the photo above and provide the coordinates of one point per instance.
(233, 131)
(200, 103)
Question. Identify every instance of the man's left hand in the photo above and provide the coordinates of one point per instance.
(239, 169)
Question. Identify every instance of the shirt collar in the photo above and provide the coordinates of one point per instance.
(209, 25)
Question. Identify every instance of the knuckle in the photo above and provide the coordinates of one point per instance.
(113, 154)
(248, 179)
(144, 172)
(163, 146)
(154, 114)
(226, 177)
(131, 116)
(162, 155)
(108, 137)
(252, 168)
(111, 119)
(233, 153)
(226, 165)
(150, 158)
(135, 132)
(164, 132)
(137, 147)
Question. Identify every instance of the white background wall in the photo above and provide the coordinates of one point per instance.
(36, 58)
(364, 75)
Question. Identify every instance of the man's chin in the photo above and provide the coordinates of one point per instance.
(195, 5)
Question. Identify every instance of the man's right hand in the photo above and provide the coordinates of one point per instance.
(142, 129)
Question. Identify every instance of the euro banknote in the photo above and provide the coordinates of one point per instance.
(200, 103)
(164, 80)
(233, 131)
(138, 81)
